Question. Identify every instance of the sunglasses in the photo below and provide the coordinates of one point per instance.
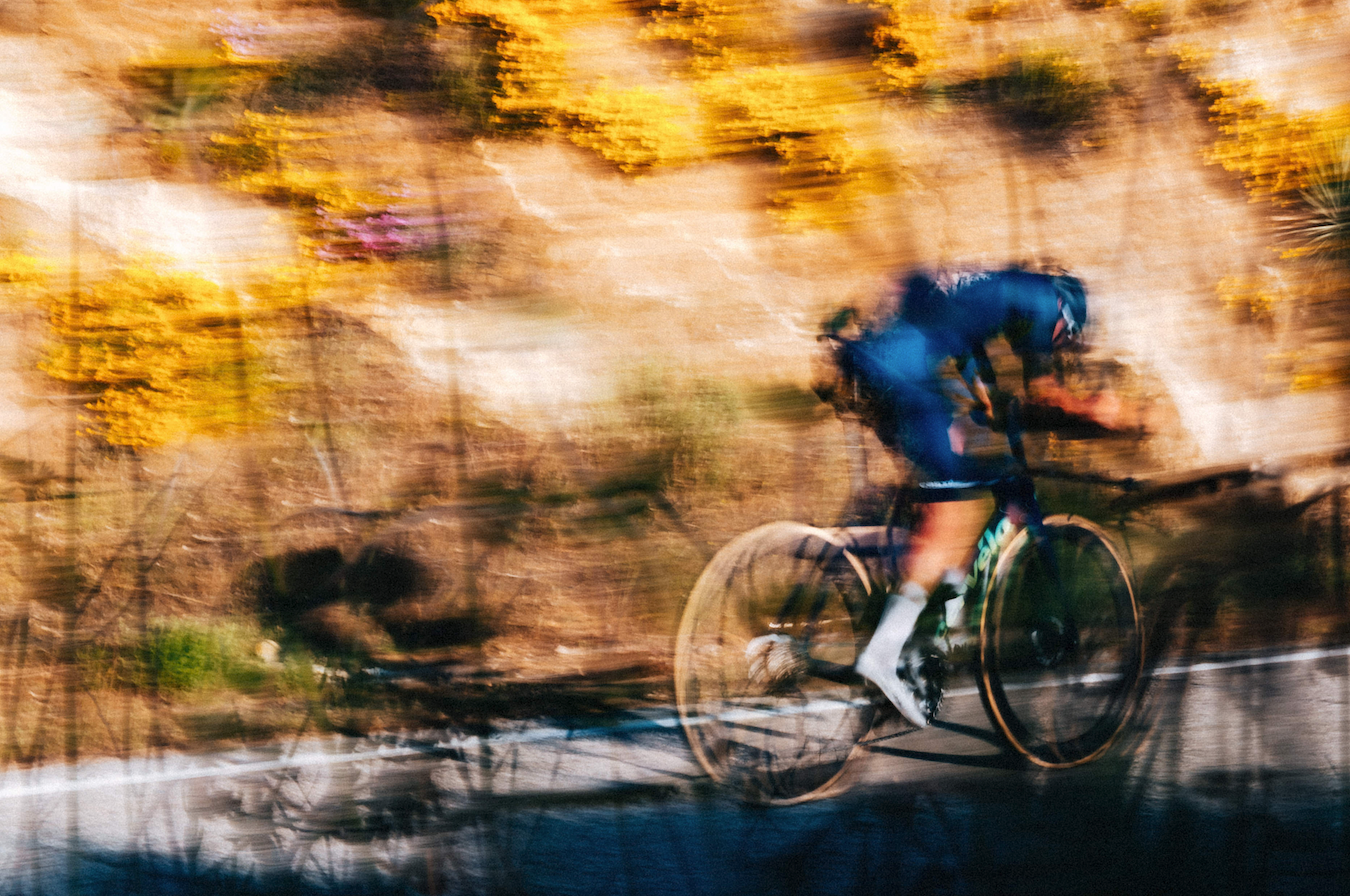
(1067, 330)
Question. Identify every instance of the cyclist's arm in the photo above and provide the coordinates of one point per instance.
(978, 372)
(1105, 409)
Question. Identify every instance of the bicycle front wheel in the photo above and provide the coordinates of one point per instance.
(764, 659)
(1061, 648)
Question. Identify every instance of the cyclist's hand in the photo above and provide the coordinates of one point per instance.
(1115, 415)
(992, 409)
(1108, 412)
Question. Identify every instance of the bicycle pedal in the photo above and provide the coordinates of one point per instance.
(774, 660)
(926, 672)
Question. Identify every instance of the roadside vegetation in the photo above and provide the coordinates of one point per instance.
(250, 514)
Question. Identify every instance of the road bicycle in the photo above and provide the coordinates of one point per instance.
(1058, 647)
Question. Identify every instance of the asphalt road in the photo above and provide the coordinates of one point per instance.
(1235, 779)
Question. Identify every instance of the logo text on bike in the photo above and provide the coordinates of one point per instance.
(984, 551)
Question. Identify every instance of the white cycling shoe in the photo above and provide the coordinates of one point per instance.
(880, 659)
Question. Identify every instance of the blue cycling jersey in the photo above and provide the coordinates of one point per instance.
(943, 319)
(963, 312)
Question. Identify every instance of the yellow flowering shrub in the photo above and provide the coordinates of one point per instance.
(637, 129)
(1192, 59)
(800, 116)
(760, 98)
(284, 158)
(23, 276)
(723, 34)
(174, 83)
(161, 355)
(993, 11)
(1257, 297)
(1269, 148)
(282, 289)
(1150, 18)
(1276, 153)
(909, 42)
(1322, 374)
(1301, 164)
(531, 43)
(752, 92)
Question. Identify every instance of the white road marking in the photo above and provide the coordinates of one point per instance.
(58, 779)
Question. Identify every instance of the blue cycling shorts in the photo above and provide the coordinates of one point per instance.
(914, 415)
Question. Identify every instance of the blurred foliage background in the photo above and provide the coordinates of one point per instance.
(533, 335)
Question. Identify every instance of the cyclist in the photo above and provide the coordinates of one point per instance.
(906, 368)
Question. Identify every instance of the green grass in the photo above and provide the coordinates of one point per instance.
(1045, 94)
(186, 657)
(1322, 228)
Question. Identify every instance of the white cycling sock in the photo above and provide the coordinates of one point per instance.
(877, 663)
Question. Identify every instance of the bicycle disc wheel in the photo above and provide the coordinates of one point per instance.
(1061, 648)
(782, 737)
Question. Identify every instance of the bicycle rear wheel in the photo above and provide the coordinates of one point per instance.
(1061, 648)
(784, 737)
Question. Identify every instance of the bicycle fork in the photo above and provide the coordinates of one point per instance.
(1052, 631)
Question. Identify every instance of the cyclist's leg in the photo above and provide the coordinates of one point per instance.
(880, 659)
(941, 540)
(944, 539)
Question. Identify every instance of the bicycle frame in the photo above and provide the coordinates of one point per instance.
(1015, 508)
